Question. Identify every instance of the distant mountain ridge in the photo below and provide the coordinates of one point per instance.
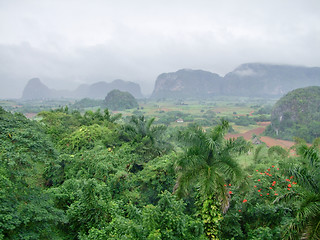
(186, 83)
(250, 79)
(35, 89)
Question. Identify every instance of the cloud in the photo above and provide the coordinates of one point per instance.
(70, 42)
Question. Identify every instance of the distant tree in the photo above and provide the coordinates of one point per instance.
(86, 103)
(117, 100)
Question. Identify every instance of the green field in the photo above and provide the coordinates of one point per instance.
(203, 112)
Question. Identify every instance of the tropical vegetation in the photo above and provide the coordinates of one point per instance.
(297, 114)
(99, 175)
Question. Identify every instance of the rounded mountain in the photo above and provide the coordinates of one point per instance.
(297, 114)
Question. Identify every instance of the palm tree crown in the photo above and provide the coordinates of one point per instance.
(208, 162)
(307, 196)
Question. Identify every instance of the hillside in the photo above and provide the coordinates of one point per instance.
(35, 89)
(297, 114)
(259, 80)
(99, 90)
(187, 83)
(250, 80)
(117, 100)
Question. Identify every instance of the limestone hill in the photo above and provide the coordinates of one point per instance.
(35, 89)
(249, 80)
(297, 114)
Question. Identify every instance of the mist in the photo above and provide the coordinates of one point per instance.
(68, 43)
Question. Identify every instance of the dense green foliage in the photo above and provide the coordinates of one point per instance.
(242, 120)
(87, 103)
(26, 207)
(297, 114)
(97, 176)
(117, 100)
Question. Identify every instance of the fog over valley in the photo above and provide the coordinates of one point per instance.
(171, 119)
(69, 43)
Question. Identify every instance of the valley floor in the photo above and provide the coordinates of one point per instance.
(267, 140)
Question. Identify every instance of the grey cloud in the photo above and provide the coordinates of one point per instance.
(66, 43)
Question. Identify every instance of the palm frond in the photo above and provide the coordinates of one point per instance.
(313, 155)
(159, 129)
(115, 117)
(186, 179)
(278, 150)
(288, 196)
(212, 143)
(229, 167)
(257, 153)
(149, 123)
(305, 177)
(238, 145)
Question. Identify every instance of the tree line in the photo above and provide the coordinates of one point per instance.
(98, 175)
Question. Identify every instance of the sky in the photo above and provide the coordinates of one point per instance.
(66, 43)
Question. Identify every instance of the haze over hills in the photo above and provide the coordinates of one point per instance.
(35, 89)
(187, 83)
(251, 79)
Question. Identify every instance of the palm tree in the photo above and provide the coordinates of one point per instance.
(147, 137)
(306, 223)
(111, 118)
(207, 164)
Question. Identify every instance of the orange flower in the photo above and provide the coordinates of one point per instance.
(291, 177)
(255, 186)
(270, 187)
(276, 194)
(268, 169)
(257, 170)
(294, 183)
(289, 189)
(245, 200)
(274, 182)
(289, 185)
(267, 193)
(229, 184)
(277, 168)
(261, 195)
(288, 180)
(272, 165)
(230, 192)
(239, 210)
(259, 180)
(259, 190)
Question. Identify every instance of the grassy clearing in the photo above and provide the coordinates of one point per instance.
(204, 112)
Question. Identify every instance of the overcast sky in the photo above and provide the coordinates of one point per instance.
(69, 42)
